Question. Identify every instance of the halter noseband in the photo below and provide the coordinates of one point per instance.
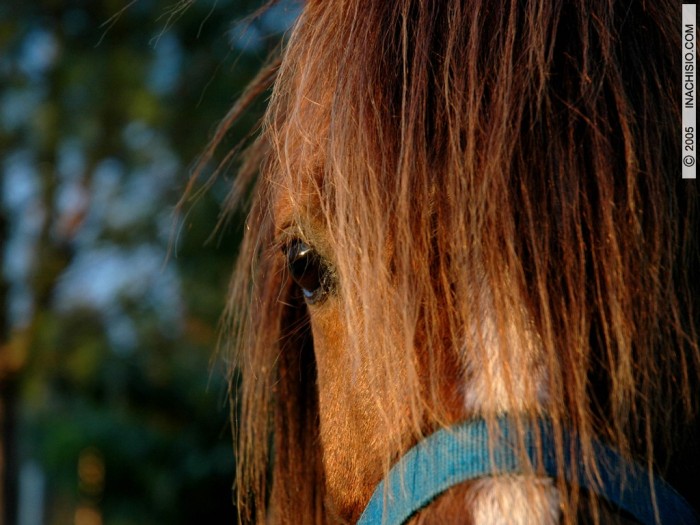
(467, 451)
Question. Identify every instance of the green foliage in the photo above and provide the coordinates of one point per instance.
(103, 110)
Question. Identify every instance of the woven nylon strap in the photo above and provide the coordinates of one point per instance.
(461, 453)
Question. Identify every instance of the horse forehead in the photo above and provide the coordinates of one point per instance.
(289, 205)
(283, 206)
(297, 210)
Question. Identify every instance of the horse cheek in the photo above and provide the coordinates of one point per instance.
(348, 422)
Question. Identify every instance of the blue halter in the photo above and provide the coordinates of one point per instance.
(464, 452)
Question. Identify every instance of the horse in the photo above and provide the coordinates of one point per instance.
(465, 210)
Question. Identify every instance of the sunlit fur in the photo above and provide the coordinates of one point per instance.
(496, 187)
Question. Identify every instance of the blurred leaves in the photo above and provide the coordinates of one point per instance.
(104, 106)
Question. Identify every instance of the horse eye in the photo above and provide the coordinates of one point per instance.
(309, 270)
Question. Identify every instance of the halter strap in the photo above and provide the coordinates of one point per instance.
(464, 452)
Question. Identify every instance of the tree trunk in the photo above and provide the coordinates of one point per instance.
(8, 398)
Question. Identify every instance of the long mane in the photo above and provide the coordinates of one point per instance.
(518, 155)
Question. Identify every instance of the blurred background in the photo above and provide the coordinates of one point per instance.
(113, 408)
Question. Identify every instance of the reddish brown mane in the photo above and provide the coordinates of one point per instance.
(522, 155)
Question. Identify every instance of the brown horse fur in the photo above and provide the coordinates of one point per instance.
(495, 188)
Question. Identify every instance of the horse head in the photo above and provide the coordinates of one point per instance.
(463, 209)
